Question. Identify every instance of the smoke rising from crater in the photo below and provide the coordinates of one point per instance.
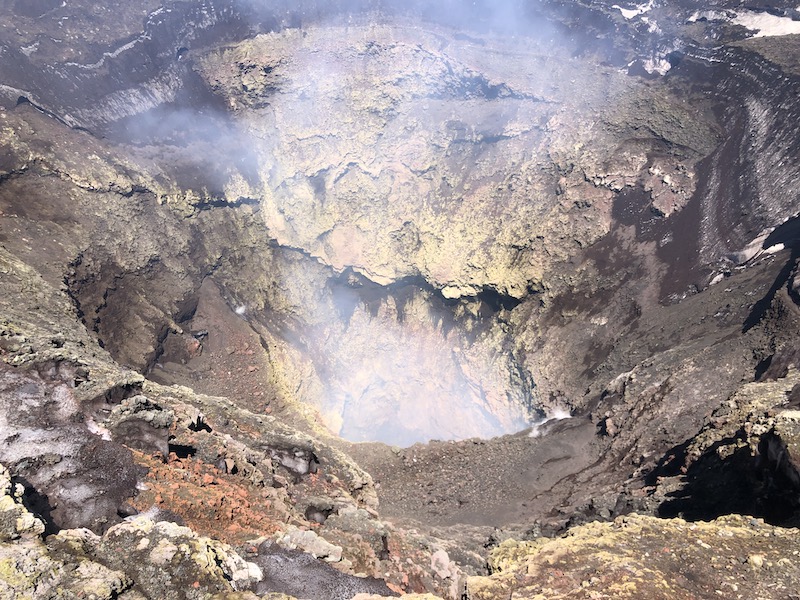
(383, 149)
(502, 17)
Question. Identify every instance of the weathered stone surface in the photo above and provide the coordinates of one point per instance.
(741, 460)
(310, 542)
(300, 575)
(638, 556)
(167, 559)
(396, 159)
(138, 557)
(15, 520)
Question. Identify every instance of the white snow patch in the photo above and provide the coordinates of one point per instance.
(774, 249)
(765, 24)
(652, 26)
(151, 514)
(240, 310)
(657, 65)
(28, 50)
(752, 250)
(708, 15)
(629, 13)
(717, 278)
(95, 428)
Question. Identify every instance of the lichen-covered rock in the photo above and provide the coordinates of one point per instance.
(363, 539)
(15, 520)
(310, 542)
(136, 559)
(31, 570)
(168, 560)
(645, 557)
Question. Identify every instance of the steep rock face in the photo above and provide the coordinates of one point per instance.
(398, 153)
(750, 191)
(230, 473)
(411, 157)
(90, 66)
(332, 137)
(742, 460)
(80, 430)
(654, 258)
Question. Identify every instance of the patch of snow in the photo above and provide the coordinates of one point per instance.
(774, 249)
(708, 15)
(657, 65)
(97, 429)
(652, 26)
(750, 251)
(629, 13)
(765, 24)
(151, 513)
(28, 50)
(12, 92)
(717, 278)
(626, 12)
(240, 310)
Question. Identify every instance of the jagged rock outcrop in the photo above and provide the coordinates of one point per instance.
(133, 560)
(743, 460)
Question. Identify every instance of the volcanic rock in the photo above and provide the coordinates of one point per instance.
(403, 288)
(638, 556)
